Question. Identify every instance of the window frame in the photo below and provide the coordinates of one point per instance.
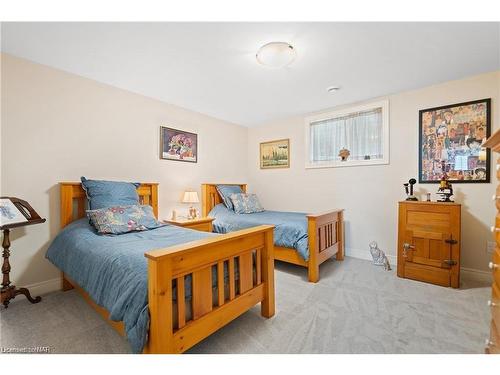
(383, 104)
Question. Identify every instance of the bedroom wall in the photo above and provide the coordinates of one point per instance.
(57, 127)
(370, 194)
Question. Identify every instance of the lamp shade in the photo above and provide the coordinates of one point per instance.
(190, 197)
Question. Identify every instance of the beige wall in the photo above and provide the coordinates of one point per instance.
(58, 126)
(370, 193)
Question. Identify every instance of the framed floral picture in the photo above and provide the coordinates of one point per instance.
(275, 154)
(178, 145)
(450, 142)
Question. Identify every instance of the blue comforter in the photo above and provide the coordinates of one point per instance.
(290, 227)
(112, 269)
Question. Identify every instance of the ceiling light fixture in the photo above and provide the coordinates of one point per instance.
(276, 54)
(333, 88)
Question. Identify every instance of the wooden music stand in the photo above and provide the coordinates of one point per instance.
(8, 291)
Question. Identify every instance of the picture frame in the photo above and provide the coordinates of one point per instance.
(275, 154)
(178, 145)
(451, 137)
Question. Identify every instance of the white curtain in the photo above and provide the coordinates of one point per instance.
(360, 133)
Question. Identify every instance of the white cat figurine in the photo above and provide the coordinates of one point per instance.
(379, 257)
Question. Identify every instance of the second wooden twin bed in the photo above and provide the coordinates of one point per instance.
(306, 240)
(168, 288)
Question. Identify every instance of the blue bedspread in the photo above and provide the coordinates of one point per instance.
(112, 269)
(290, 227)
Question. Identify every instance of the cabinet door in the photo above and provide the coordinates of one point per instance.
(428, 256)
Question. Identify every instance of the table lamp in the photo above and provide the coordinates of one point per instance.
(191, 197)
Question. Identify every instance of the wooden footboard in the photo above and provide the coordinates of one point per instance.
(326, 239)
(247, 284)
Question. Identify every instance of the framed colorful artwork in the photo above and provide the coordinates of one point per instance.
(275, 154)
(178, 145)
(450, 141)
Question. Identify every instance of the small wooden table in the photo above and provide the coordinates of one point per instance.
(202, 224)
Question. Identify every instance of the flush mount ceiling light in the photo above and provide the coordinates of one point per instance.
(333, 88)
(276, 54)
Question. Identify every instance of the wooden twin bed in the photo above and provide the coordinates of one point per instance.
(253, 249)
(325, 234)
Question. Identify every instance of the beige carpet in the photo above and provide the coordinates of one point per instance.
(355, 308)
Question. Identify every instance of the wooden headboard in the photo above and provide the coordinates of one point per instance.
(210, 196)
(73, 200)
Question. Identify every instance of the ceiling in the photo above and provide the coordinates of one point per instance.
(211, 67)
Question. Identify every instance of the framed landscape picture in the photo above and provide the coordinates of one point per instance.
(275, 154)
(178, 145)
(450, 141)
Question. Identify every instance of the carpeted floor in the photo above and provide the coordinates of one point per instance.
(355, 308)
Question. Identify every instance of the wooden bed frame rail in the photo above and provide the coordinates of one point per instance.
(251, 248)
(244, 264)
(325, 234)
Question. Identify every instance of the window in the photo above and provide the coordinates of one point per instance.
(363, 130)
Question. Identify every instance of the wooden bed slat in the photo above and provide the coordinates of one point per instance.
(202, 292)
(231, 278)
(181, 302)
(246, 272)
(81, 207)
(258, 269)
(220, 283)
(206, 325)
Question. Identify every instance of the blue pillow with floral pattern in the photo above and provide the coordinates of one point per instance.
(123, 219)
(246, 203)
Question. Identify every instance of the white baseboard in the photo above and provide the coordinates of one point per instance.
(365, 254)
(41, 288)
(468, 272)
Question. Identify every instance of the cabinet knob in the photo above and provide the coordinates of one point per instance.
(494, 229)
(488, 342)
(492, 304)
(492, 265)
(495, 197)
(498, 167)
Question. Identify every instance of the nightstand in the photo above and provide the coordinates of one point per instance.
(202, 224)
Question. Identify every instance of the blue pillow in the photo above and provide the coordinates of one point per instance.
(225, 192)
(246, 203)
(102, 194)
(123, 219)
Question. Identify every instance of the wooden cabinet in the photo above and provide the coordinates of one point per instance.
(429, 242)
(203, 224)
(493, 342)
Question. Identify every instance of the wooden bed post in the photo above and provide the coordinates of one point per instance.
(160, 306)
(313, 263)
(340, 237)
(267, 307)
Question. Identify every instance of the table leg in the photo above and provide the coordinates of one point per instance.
(9, 291)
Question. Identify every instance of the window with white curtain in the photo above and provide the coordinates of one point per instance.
(363, 130)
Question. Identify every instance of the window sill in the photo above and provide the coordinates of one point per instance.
(347, 163)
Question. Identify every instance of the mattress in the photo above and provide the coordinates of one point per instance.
(290, 227)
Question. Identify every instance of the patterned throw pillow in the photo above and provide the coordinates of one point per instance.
(225, 191)
(246, 203)
(123, 219)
